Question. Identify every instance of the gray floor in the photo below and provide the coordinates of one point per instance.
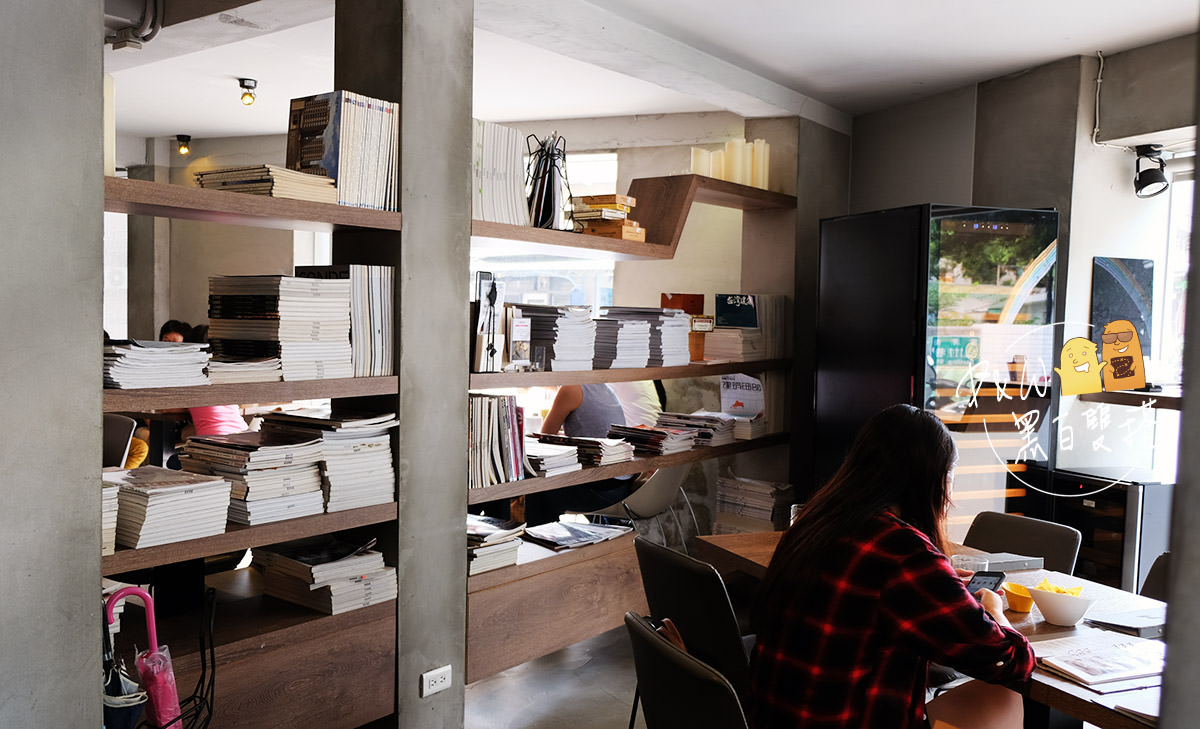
(585, 686)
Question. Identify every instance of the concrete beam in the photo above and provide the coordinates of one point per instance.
(582, 31)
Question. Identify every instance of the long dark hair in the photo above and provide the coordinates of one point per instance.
(900, 460)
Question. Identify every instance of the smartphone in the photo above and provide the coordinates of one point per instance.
(980, 580)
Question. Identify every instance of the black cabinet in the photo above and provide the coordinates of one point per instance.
(1124, 516)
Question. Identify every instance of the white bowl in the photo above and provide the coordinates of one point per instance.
(1060, 609)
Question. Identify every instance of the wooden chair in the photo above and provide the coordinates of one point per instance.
(679, 691)
(1056, 544)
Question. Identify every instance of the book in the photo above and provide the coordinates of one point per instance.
(271, 180)
(483, 530)
(559, 535)
(1091, 657)
(610, 199)
(372, 311)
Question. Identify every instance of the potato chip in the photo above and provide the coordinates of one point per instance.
(1047, 586)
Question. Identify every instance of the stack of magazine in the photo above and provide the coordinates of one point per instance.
(491, 543)
(498, 174)
(751, 505)
(621, 343)
(274, 475)
(654, 441)
(356, 453)
(669, 330)
(108, 517)
(549, 459)
(305, 322)
(593, 451)
(270, 180)
(159, 506)
(137, 363)
(225, 371)
(561, 338)
(559, 535)
(326, 575)
(712, 429)
(371, 313)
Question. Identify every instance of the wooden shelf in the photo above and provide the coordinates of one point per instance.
(140, 197)
(500, 239)
(245, 537)
(558, 560)
(160, 398)
(637, 465)
(663, 203)
(485, 380)
(1171, 398)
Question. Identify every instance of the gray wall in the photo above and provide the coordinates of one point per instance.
(1133, 104)
(50, 293)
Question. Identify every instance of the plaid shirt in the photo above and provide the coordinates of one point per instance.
(852, 649)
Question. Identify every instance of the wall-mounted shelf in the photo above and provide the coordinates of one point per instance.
(663, 203)
(160, 398)
(1171, 398)
(140, 197)
(485, 380)
(509, 240)
(245, 537)
(637, 465)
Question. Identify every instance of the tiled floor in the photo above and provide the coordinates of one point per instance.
(585, 686)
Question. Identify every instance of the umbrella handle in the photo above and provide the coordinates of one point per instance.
(147, 601)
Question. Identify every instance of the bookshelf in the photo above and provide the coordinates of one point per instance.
(485, 380)
(639, 464)
(352, 655)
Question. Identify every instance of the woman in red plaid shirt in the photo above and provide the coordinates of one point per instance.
(860, 596)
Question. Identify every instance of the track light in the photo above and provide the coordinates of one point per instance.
(248, 86)
(183, 143)
(1149, 171)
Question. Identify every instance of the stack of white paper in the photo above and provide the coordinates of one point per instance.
(138, 363)
(159, 506)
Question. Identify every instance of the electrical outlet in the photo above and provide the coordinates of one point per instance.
(436, 680)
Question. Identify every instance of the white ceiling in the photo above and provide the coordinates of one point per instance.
(557, 62)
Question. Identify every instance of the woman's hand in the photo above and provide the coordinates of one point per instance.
(993, 604)
(964, 575)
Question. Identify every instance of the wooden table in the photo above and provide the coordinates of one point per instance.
(751, 553)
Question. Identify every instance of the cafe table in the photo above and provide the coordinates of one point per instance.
(751, 553)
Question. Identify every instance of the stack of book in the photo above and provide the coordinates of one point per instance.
(495, 452)
(735, 345)
(159, 506)
(749, 428)
(561, 338)
(371, 313)
(668, 332)
(326, 575)
(356, 453)
(108, 517)
(274, 475)
(549, 459)
(607, 216)
(593, 451)
(223, 371)
(654, 441)
(621, 343)
(270, 180)
(305, 322)
(559, 535)
(351, 138)
(497, 174)
(712, 429)
(751, 505)
(138, 363)
(491, 543)
(749, 327)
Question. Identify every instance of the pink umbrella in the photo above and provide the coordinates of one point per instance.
(154, 664)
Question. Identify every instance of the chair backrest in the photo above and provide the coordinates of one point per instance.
(692, 594)
(118, 432)
(678, 690)
(653, 497)
(1056, 544)
(1155, 585)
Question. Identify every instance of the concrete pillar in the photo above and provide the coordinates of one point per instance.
(149, 287)
(419, 52)
(50, 338)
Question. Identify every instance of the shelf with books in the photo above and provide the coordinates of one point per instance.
(486, 380)
(140, 197)
(159, 398)
(245, 537)
(637, 465)
(663, 203)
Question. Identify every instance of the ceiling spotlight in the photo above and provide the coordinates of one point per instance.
(183, 143)
(1149, 171)
(248, 86)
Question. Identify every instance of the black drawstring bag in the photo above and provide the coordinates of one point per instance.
(546, 177)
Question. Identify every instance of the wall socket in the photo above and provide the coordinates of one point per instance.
(436, 680)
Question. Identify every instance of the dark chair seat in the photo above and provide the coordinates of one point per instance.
(1056, 544)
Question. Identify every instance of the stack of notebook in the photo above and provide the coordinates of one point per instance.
(138, 363)
(274, 476)
(159, 506)
(305, 322)
(356, 453)
(654, 441)
(326, 575)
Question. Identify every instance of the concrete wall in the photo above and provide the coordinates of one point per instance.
(1149, 89)
(50, 293)
(916, 153)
